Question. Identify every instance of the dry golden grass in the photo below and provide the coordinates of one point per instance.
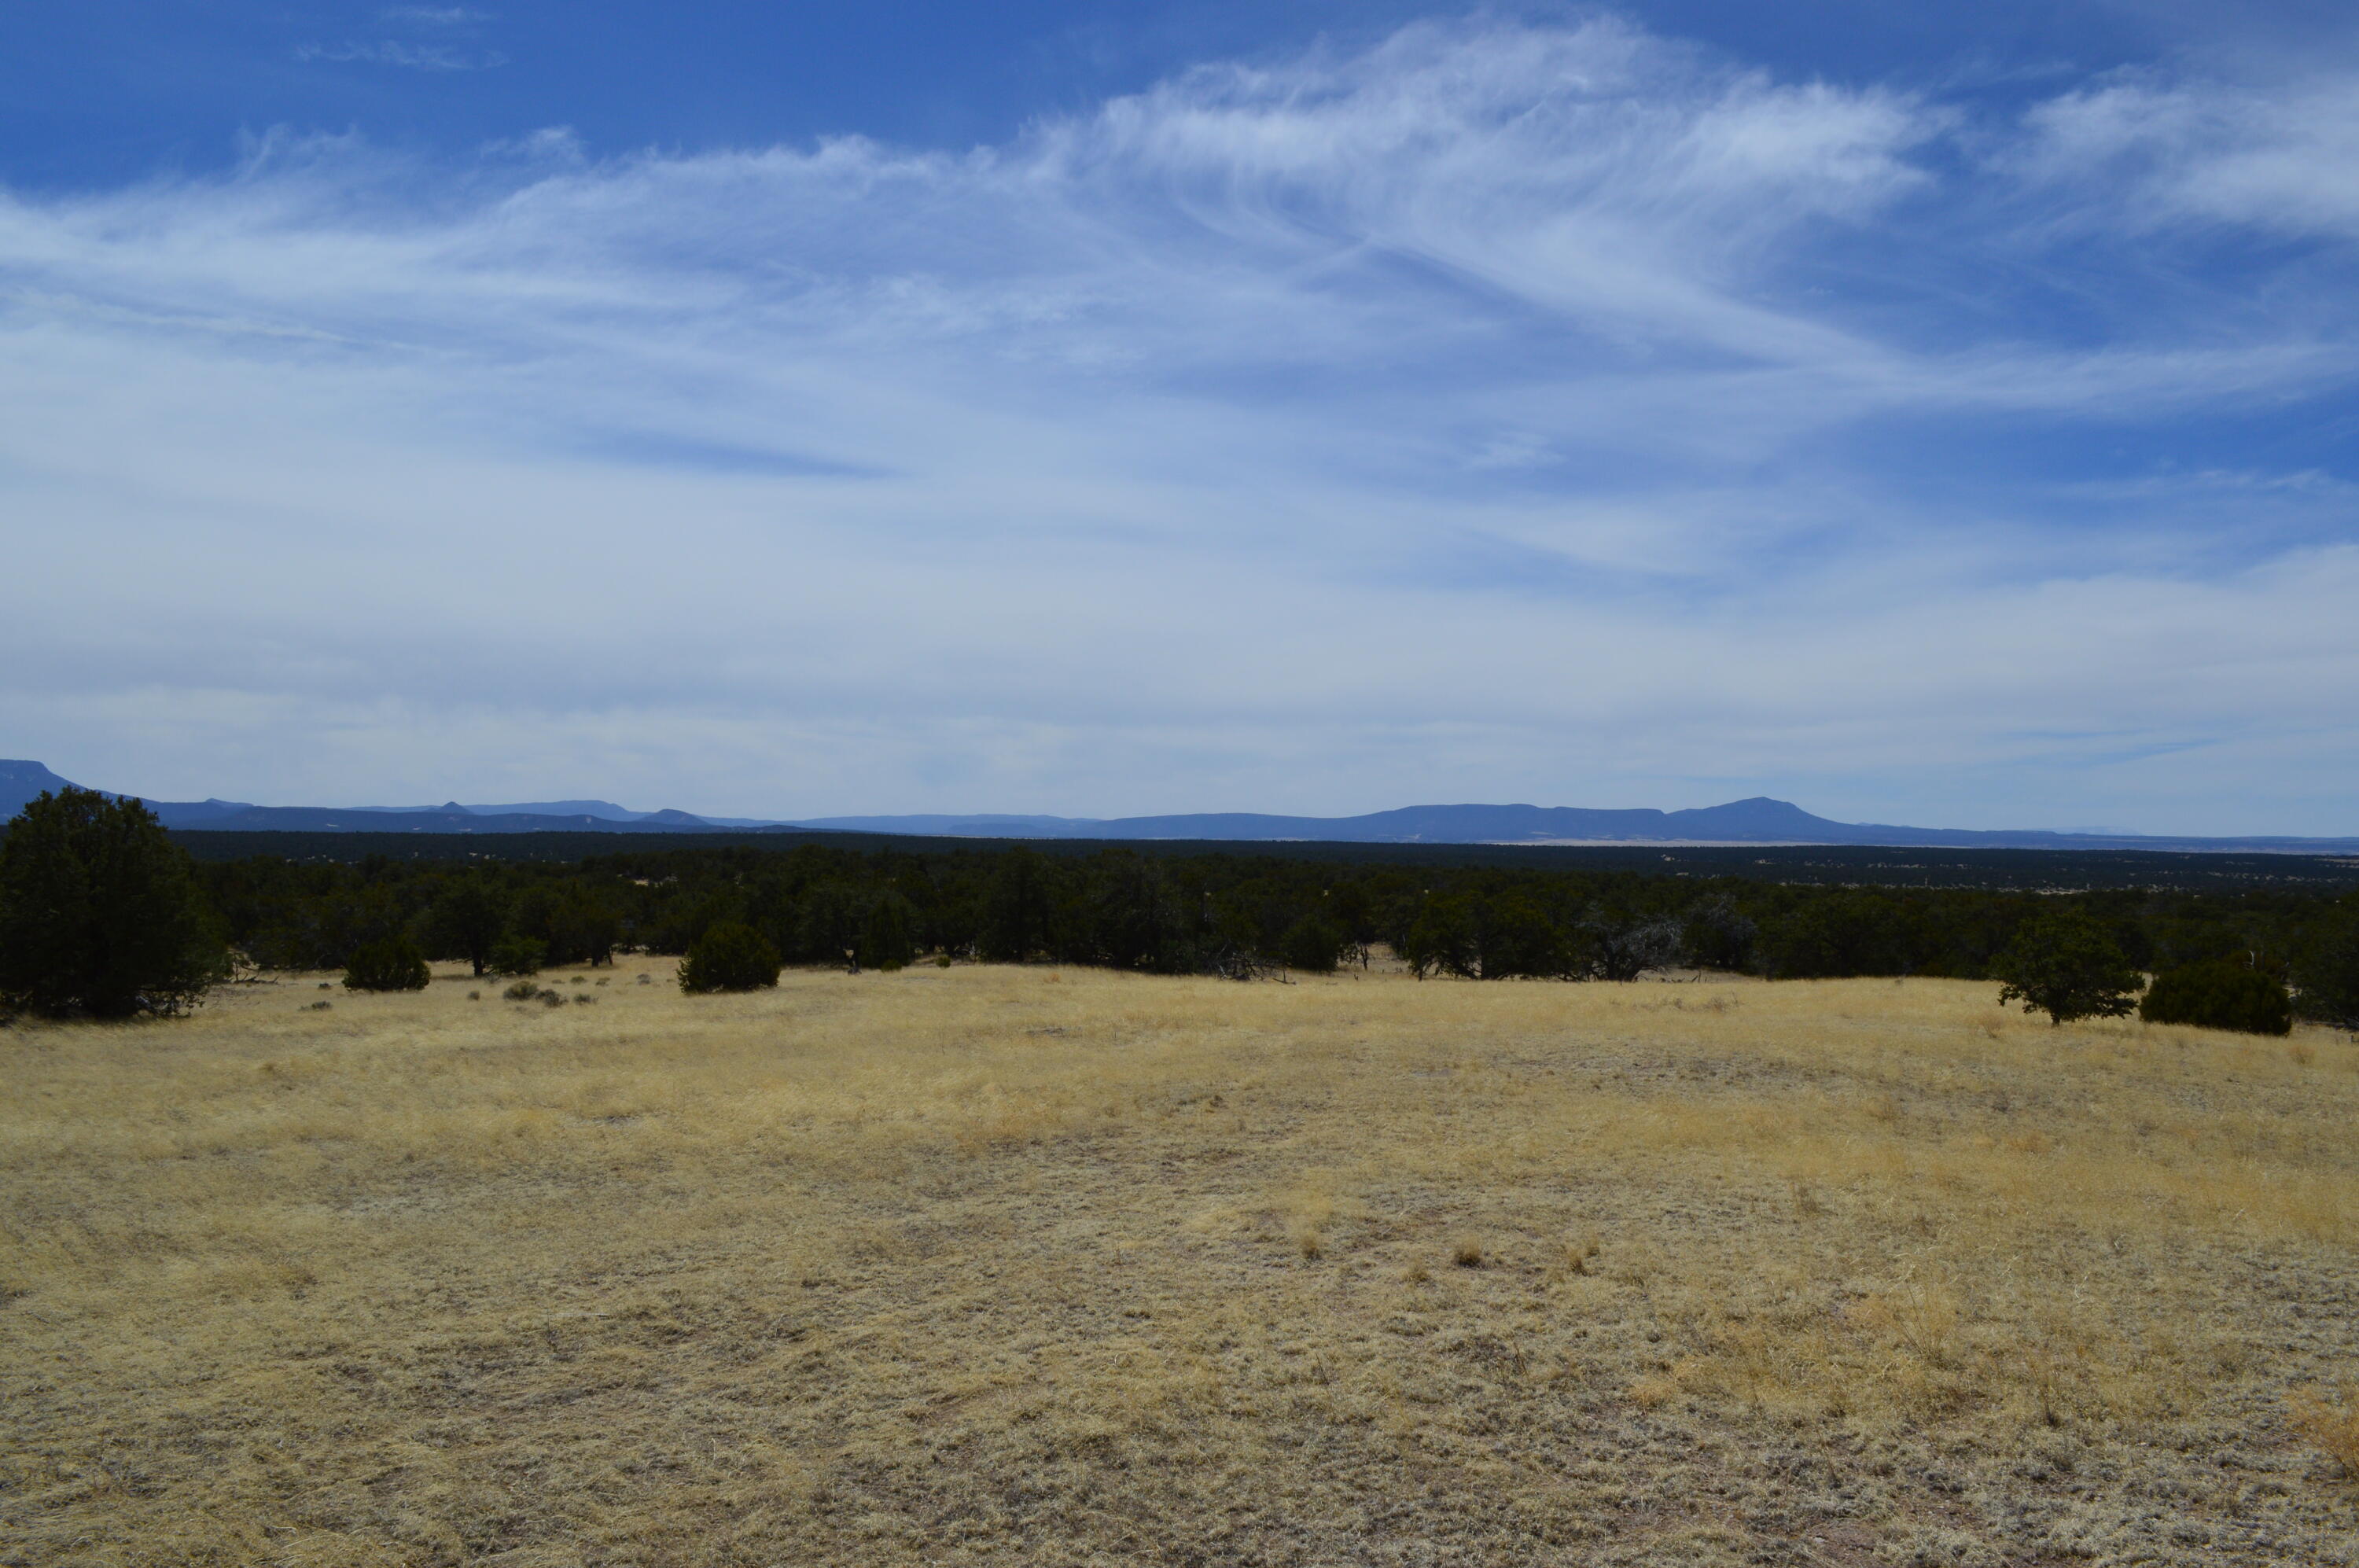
(1003, 1265)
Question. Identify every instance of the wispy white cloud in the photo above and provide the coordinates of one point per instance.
(1500, 411)
(2180, 152)
(435, 16)
(409, 56)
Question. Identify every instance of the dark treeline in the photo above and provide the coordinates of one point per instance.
(1212, 912)
(2025, 870)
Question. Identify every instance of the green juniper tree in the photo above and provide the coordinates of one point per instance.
(2063, 964)
(468, 920)
(99, 913)
(2220, 994)
(393, 964)
(886, 942)
(729, 957)
(517, 956)
(2328, 973)
(1442, 939)
(1314, 943)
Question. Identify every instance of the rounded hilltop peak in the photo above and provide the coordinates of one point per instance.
(1757, 813)
(23, 781)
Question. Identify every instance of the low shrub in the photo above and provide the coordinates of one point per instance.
(522, 991)
(729, 957)
(2221, 995)
(392, 966)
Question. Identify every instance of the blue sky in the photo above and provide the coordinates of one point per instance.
(1939, 414)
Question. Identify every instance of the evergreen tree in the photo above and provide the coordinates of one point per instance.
(827, 928)
(1514, 936)
(1442, 939)
(2328, 973)
(395, 964)
(2063, 964)
(1351, 907)
(517, 956)
(729, 957)
(583, 929)
(2220, 994)
(885, 940)
(99, 913)
(1015, 915)
(467, 921)
(1718, 935)
(1624, 949)
(1314, 942)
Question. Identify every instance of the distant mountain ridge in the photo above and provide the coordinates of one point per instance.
(22, 781)
(604, 809)
(1759, 820)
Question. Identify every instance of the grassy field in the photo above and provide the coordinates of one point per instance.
(1022, 1266)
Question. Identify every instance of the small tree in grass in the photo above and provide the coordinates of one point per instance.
(729, 957)
(99, 913)
(2062, 963)
(395, 964)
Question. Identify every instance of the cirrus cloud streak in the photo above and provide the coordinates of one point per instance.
(1502, 411)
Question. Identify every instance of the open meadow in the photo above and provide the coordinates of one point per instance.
(1018, 1265)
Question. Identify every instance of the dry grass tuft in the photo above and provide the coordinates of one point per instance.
(2331, 1426)
(988, 1265)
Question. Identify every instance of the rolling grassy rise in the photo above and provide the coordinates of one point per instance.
(1023, 1266)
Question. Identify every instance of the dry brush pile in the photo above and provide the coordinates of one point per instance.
(1007, 1265)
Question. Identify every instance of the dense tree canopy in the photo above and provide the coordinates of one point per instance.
(2326, 969)
(2220, 993)
(1243, 913)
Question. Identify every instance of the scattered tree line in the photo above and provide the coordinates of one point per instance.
(744, 910)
